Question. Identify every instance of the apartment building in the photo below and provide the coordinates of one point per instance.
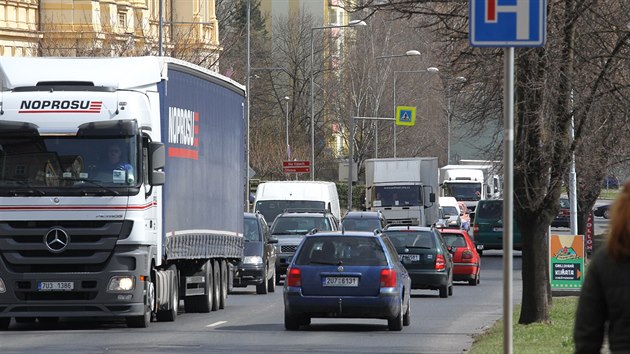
(109, 28)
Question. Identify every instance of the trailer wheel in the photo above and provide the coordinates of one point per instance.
(202, 303)
(224, 284)
(4, 323)
(170, 315)
(216, 285)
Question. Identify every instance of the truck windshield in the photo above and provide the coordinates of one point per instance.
(42, 165)
(272, 208)
(388, 196)
(462, 191)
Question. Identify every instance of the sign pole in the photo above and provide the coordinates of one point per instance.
(350, 161)
(508, 209)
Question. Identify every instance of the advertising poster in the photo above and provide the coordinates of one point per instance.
(567, 261)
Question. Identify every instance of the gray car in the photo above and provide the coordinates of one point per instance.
(258, 265)
(290, 227)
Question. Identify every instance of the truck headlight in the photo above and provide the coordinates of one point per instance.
(121, 283)
(3, 288)
(252, 260)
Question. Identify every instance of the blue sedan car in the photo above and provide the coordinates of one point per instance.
(346, 275)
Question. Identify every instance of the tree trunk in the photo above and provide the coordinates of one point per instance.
(536, 288)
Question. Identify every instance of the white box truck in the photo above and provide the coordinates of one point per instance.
(273, 197)
(470, 183)
(403, 189)
(80, 237)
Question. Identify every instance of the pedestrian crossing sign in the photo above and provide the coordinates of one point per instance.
(405, 115)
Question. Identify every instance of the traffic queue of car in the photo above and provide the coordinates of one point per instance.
(358, 267)
(362, 266)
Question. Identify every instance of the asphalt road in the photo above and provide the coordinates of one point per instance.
(254, 323)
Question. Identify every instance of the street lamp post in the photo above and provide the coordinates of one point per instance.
(353, 23)
(449, 115)
(287, 98)
(427, 70)
(408, 53)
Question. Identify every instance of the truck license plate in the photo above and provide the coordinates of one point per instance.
(55, 286)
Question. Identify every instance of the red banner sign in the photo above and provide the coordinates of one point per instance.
(296, 166)
(296, 163)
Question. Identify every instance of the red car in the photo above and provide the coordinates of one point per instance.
(466, 260)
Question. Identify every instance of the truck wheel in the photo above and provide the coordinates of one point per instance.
(216, 285)
(224, 284)
(142, 321)
(4, 323)
(202, 303)
(169, 315)
(262, 288)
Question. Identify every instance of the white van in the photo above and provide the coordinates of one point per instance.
(451, 211)
(273, 197)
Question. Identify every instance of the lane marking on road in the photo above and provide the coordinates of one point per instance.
(216, 323)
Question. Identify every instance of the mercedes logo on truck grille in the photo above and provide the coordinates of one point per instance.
(56, 240)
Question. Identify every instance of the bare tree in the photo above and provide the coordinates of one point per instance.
(576, 75)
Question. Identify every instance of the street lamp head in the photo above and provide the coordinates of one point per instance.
(433, 69)
(412, 52)
(287, 98)
(354, 23)
(460, 79)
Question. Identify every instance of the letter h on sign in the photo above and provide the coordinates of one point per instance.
(507, 23)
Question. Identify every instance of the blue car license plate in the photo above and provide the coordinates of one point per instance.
(341, 281)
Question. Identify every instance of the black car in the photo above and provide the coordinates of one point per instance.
(290, 227)
(425, 255)
(258, 265)
(364, 221)
(602, 211)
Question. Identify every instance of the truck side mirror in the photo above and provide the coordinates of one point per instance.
(432, 197)
(156, 163)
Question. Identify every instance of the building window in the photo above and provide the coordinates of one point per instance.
(122, 20)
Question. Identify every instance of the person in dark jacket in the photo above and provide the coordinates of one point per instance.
(604, 304)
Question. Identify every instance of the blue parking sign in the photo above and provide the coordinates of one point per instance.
(508, 23)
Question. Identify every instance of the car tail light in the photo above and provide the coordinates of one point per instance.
(388, 278)
(467, 256)
(294, 277)
(475, 230)
(440, 262)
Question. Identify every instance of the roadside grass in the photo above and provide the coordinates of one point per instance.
(608, 193)
(554, 337)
